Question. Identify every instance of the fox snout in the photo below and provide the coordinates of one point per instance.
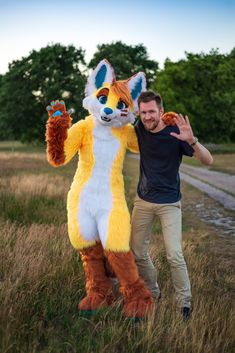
(107, 114)
(108, 111)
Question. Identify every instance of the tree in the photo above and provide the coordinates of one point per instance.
(53, 72)
(126, 60)
(202, 87)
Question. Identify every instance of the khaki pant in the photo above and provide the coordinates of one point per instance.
(170, 216)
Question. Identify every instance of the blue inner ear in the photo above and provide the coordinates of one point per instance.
(100, 77)
(137, 89)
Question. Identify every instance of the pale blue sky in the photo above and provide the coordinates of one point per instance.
(167, 28)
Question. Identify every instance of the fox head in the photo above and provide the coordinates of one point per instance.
(112, 103)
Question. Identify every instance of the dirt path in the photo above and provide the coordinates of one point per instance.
(219, 186)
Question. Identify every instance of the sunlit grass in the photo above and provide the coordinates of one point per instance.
(42, 279)
(17, 146)
(222, 162)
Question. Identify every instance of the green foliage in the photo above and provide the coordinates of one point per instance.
(32, 82)
(126, 60)
(202, 86)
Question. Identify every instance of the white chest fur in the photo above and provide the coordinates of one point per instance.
(96, 194)
(96, 197)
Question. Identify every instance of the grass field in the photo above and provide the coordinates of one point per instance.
(42, 280)
(222, 163)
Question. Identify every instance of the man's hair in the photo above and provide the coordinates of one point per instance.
(148, 96)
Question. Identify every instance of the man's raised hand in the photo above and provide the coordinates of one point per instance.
(185, 130)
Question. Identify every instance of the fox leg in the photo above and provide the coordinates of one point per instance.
(138, 301)
(98, 285)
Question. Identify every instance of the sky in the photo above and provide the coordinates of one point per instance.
(167, 28)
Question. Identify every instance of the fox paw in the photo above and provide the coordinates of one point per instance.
(58, 109)
(139, 308)
(94, 301)
(168, 118)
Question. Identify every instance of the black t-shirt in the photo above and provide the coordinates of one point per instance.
(160, 158)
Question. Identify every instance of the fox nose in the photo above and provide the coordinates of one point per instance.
(108, 111)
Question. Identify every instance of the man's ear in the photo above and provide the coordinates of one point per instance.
(136, 84)
(161, 111)
(101, 74)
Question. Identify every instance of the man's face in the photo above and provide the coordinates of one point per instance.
(150, 114)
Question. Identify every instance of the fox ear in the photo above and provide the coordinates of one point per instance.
(136, 85)
(101, 74)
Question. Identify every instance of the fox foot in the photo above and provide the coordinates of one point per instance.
(138, 300)
(95, 301)
(139, 308)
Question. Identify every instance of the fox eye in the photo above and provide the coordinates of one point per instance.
(121, 105)
(102, 99)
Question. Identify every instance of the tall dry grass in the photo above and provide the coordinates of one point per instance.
(42, 280)
(25, 204)
(28, 186)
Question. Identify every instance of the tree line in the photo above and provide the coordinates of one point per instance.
(201, 86)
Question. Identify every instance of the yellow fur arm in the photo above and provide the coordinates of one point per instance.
(132, 141)
(74, 140)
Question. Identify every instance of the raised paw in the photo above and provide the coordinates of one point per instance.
(169, 118)
(57, 109)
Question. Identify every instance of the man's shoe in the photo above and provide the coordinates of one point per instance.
(186, 313)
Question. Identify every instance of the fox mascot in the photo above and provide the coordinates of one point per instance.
(98, 217)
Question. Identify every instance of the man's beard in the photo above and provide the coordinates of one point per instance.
(151, 127)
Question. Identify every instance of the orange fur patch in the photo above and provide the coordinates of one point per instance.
(103, 92)
(120, 261)
(56, 134)
(138, 301)
(94, 266)
(120, 89)
(168, 118)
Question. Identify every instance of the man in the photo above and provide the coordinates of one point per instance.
(158, 192)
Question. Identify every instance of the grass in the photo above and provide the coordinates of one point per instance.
(17, 146)
(221, 148)
(222, 163)
(42, 279)
(223, 155)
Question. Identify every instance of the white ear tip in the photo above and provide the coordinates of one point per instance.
(102, 73)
